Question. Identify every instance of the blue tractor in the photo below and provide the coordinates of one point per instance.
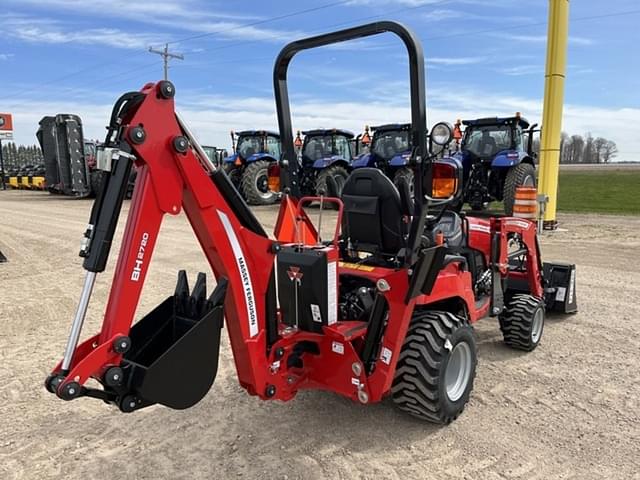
(324, 153)
(497, 157)
(254, 152)
(391, 148)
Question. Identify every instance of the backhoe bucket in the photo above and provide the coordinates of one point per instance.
(173, 358)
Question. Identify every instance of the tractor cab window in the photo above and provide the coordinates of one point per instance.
(341, 147)
(273, 146)
(211, 152)
(390, 144)
(518, 139)
(488, 141)
(323, 146)
(249, 145)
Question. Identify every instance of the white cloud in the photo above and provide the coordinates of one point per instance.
(582, 41)
(443, 14)
(520, 70)
(542, 39)
(188, 15)
(538, 69)
(408, 3)
(142, 11)
(40, 30)
(6, 56)
(455, 60)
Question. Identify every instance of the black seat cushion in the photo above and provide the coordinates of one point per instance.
(374, 217)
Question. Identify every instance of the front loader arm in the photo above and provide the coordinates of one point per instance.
(170, 178)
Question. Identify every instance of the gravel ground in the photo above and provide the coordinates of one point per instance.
(571, 409)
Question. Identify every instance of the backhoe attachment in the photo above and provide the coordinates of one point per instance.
(170, 356)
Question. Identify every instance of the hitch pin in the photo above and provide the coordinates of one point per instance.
(76, 327)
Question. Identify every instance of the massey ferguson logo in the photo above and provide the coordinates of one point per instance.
(137, 269)
(294, 273)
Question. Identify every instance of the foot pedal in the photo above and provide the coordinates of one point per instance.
(173, 358)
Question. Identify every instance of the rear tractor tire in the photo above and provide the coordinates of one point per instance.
(522, 322)
(234, 172)
(338, 173)
(255, 184)
(522, 175)
(405, 174)
(437, 366)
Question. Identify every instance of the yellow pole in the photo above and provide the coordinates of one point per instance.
(557, 38)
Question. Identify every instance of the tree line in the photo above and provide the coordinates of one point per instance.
(18, 155)
(583, 149)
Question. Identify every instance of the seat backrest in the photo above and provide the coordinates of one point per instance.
(374, 219)
(488, 146)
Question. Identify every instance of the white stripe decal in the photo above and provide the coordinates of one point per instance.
(479, 228)
(245, 277)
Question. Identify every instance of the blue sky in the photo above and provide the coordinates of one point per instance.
(483, 58)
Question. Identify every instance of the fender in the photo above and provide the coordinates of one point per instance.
(329, 161)
(400, 160)
(365, 160)
(508, 158)
(230, 159)
(465, 160)
(260, 156)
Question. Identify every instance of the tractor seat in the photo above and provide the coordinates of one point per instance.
(488, 147)
(374, 218)
(450, 224)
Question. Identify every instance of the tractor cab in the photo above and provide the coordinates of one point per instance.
(322, 148)
(497, 156)
(254, 152)
(390, 147)
(325, 153)
(491, 139)
(253, 145)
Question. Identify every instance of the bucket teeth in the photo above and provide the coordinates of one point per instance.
(217, 297)
(182, 287)
(200, 289)
(199, 296)
(182, 293)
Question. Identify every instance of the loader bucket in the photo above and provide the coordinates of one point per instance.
(173, 358)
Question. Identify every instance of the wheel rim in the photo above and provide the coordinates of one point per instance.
(262, 185)
(411, 185)
(537, 325)
(528, 181)
(458, 371)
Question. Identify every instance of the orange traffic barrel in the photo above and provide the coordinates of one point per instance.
(525, 204)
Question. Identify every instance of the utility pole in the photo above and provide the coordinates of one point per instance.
(557, 37)
(166, 55)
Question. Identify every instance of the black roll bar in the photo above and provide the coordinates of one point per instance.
(417, 85)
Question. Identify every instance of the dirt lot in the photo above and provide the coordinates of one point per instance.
(571, 409)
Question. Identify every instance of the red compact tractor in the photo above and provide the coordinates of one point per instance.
(385, 308)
